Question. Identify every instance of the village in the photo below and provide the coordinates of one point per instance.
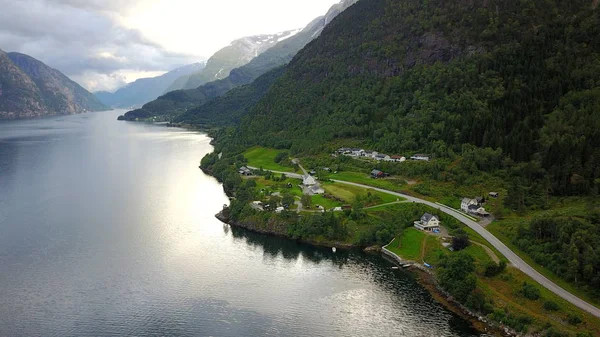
(368, 154)
(311, 187)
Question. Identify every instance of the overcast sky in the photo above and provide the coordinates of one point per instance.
(102, 44)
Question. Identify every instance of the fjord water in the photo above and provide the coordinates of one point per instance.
(107, 229)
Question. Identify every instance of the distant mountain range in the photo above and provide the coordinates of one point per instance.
(175, 103)
(29, 88)
(237, 54)
(144, 90)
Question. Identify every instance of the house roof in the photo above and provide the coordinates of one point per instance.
(376, 172)
(308, 180)
(473, 207)
(427, 217)
(380, 155)
(397, 157)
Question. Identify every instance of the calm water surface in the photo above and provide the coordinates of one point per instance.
(107, 229)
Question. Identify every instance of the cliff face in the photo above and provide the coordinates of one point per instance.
(29, 88)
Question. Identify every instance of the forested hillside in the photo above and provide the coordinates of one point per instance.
(407, 76)
(229, 109)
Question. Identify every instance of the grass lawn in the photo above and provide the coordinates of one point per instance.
(265, 158)
(364, 178)
(349, 192)
(279, 186)
(408, 245)
(326, 203)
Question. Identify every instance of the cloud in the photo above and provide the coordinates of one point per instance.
(82, 40)
(102, 43)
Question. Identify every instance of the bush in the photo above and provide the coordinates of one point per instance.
(574, 319)
(281, 156)
(551, 306)
(492, 268)
(530, 291)
(460, 240)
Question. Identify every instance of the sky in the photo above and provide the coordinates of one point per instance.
(104, 44)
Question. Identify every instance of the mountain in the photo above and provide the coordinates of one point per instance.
(19, 96)
(238, 53)
(29, 88)
(145, 89)
(486, 78)
(228, 110)
(177, 102)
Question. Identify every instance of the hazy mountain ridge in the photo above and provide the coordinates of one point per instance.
(179, 101)
(29, 88)
(144, 90)
(237, 54)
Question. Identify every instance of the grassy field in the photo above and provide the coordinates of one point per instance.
(503, 289)
(265, 158)
(326, 203)
(348, 193)
(391, 184)
(408, 245)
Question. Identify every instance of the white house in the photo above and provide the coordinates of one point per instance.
(381, 156)
(309, 181)
(423, 157)
(466, 202)
(398, 159)
(370, 154)
(357, 152)
(315, 189)
(428, 223)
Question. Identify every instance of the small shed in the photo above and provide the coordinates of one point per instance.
(494, 194)
(377, 174)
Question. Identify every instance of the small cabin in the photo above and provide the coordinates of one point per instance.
(377, 174)
(494, 194)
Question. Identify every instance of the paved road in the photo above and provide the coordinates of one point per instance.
(510, 255)
(513, 258)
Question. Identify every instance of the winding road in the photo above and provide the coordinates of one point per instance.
(513, 258)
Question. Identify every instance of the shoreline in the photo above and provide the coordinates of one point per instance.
(424, 277)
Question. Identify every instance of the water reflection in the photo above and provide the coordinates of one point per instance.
(108, 229)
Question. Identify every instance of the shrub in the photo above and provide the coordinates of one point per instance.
(460, 240)
(551, 306)
(530, 291)
(492, 268)
(574, 319)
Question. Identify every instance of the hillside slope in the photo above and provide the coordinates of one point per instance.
(144, 90)
(29, 88)
(237, 54)
(177, 102)
(487, 73)
(19, 96)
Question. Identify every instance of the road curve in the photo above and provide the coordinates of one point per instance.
(513, 258)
